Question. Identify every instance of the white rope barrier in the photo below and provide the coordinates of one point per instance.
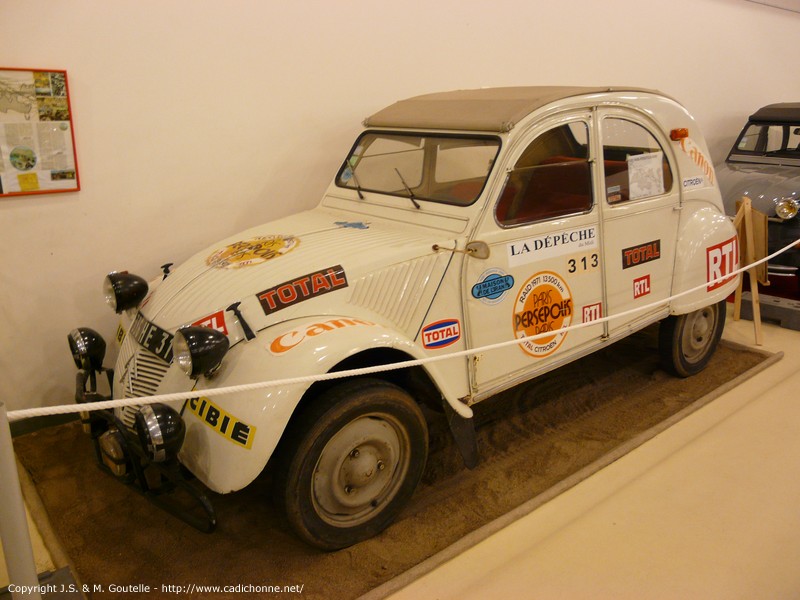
(308, 379)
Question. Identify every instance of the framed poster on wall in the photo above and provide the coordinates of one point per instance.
(37, 142)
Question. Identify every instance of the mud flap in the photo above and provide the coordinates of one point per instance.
(463, 431)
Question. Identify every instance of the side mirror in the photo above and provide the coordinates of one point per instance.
(478, 250)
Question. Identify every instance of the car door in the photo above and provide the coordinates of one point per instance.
(544, 269)
(639, 216)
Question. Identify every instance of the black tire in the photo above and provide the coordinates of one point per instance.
(350, 462)
(687, 342)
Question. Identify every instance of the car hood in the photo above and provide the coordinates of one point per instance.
(763, 184)
(308, 263)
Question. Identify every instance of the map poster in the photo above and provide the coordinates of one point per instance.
(37, 143)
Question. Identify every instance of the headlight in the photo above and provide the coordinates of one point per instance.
(88, 348)
(161, 431)
(786, 208)
(199, 350)
(124, 291)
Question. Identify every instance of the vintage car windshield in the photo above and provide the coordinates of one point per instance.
(768, 143)
(436, 167)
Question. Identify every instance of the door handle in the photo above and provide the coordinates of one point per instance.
(475, 249)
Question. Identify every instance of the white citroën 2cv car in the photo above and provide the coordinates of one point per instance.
(457, 220)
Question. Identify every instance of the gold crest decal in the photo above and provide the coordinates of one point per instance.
(254, 251)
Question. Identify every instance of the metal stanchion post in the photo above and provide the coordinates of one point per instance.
(14, 533)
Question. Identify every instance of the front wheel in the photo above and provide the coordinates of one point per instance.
(351, 462)
(687, 342)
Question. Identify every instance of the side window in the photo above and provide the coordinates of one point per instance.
(749, 140)
(634, 162)
(551, 179)
(775, 138)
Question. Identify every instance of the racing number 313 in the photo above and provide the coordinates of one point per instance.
(587, 262)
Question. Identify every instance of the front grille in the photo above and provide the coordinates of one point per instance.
(140, 374)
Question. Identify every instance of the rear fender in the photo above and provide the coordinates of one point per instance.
(707, 250)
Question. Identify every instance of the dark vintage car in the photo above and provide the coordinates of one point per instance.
(764, 165)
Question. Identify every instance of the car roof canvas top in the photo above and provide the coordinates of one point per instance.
(788, 112)
(485, 109)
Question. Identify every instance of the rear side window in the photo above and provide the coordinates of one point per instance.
(634, 163)
(552, 178)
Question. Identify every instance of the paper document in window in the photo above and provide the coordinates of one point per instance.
(646, 175)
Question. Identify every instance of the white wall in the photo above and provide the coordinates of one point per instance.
(197, 118)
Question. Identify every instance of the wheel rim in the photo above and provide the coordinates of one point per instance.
(698, 333)
(360, 470)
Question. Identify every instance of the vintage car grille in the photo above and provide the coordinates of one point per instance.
(141, 373)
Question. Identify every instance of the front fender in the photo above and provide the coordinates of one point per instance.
(708, 249)
(230, 438)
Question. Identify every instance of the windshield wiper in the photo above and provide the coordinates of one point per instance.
(408, 189)
(358, 184)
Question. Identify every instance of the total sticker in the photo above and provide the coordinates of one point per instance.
(441, 333)
(544, 304)
(254, 251)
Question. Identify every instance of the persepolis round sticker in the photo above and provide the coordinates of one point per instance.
(254, 251)
(544, 303)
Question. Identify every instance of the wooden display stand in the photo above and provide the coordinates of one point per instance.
(744, 226)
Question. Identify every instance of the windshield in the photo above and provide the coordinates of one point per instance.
(768, 142)
(436, 167)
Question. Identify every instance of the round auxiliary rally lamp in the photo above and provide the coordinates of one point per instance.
(161, 431)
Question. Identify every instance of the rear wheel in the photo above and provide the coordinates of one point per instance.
(351, 462)
(687, 342)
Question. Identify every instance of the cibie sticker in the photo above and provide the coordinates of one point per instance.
(441, 333)
(492, 286)
(544, 303)
(254, 251)
(223, 422)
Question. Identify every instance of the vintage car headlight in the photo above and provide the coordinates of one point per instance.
(124, 291)
(199, 350)
(786, 208)
(88, 348)
(161, 431)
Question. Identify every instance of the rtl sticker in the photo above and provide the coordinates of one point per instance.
(641, 286)
(215, 321)
(721, 260)
(592, 312)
